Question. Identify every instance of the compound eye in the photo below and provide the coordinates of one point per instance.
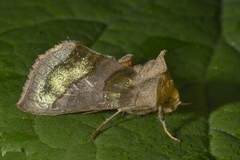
(167, 101)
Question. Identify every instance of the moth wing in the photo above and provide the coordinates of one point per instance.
(87, 95)
(91, 94)
(75, 80)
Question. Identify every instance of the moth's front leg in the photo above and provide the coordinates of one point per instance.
(162, 120)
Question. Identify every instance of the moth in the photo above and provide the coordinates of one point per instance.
(72, 78)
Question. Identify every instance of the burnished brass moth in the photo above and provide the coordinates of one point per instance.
(72, 78)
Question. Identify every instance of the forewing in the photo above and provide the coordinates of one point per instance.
(72, 78)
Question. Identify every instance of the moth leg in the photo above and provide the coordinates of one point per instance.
(126, 60)
(108, 119)
(162, 120)
(105, 122)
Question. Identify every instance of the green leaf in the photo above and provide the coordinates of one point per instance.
(225, 129)
(202, 39)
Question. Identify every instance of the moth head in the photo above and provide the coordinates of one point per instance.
(168, 96)
(171, 103)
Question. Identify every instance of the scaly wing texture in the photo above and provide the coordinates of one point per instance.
(71, 78)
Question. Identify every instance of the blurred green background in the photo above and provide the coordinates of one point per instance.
(202, 39)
